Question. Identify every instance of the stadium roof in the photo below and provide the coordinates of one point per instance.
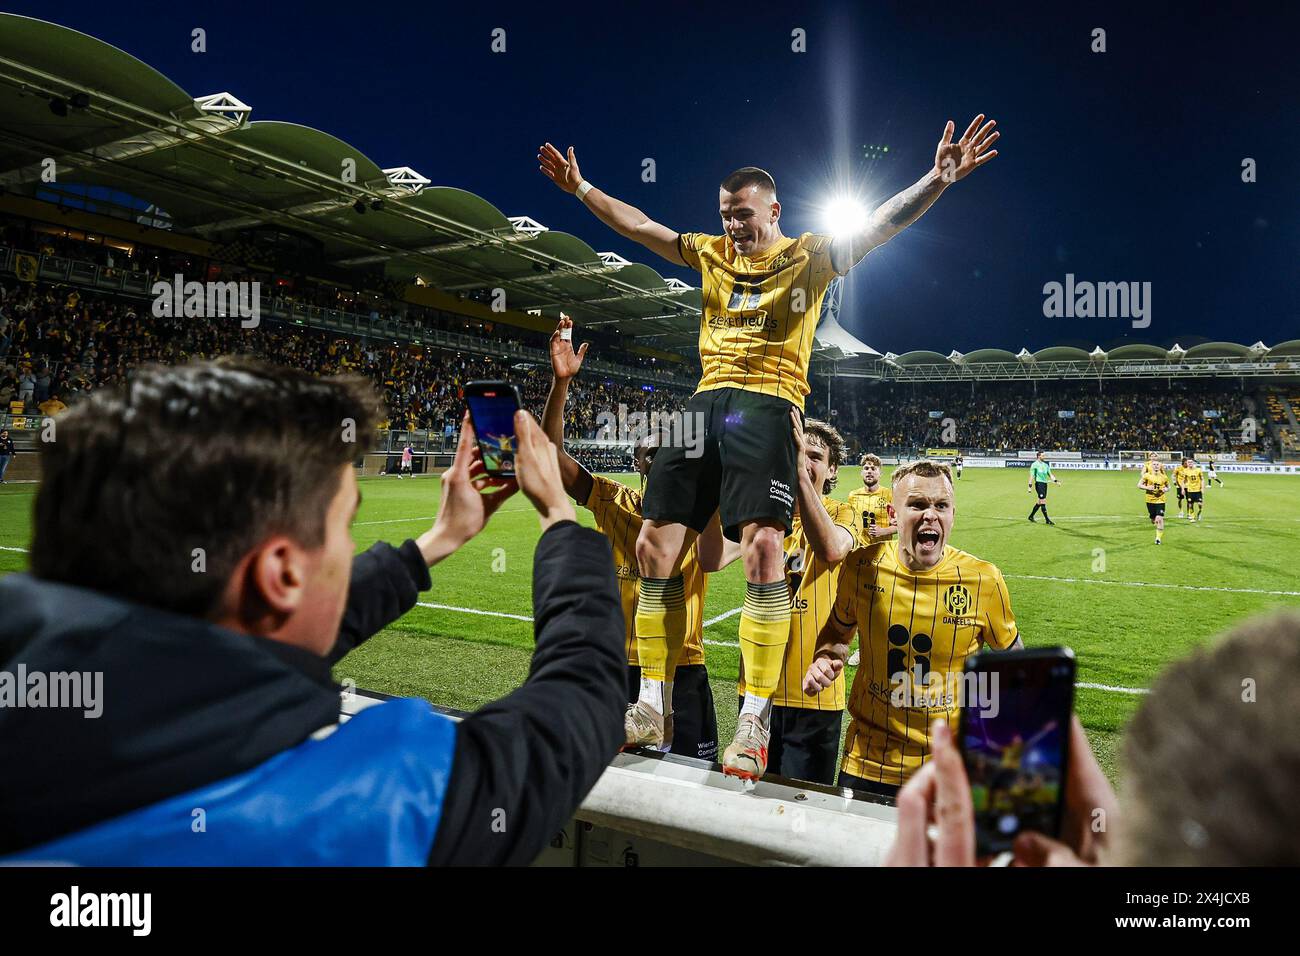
(215, 173)
(1131, 360)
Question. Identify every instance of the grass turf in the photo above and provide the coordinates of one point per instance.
(1085, 583)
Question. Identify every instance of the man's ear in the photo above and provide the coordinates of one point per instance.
(776, 211)
(277, 572)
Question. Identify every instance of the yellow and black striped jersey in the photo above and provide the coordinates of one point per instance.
(617, 510)
(756, 332)
(915, 629)
(1158, 481)
(1194, 480)
(872, 508)
(812, 583)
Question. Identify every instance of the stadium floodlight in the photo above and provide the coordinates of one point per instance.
(1026, 356)
(1258, 349)
(844, 216)
(956, 358)
(1176, 353)
(1098, 354)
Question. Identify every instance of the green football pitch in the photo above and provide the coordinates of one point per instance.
(1096, 582)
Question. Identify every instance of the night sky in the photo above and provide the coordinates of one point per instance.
(1116, 166)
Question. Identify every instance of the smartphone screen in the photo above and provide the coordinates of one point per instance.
(1015, 735)
(492, 407)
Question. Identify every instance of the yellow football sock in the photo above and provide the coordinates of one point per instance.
(660, 625)
(764, 632)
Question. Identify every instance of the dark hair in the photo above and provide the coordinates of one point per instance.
(830, 439)
(749, 176)
(211, 455)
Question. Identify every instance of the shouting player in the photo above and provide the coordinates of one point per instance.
(762, 297)
(680, 716)
(801, 736)
(920, 608)
(1040, 473)
(1155, 483)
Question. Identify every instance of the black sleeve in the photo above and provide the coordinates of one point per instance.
(385, 583)
(524, 763)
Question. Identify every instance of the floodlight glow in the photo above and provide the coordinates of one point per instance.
(844, 216)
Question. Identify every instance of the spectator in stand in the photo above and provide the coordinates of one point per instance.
(52, 406)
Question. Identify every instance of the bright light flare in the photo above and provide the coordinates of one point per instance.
(844, 216)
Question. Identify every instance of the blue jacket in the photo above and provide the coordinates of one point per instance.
(215, 747)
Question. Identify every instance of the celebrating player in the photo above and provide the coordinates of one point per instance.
(680, 715)
(804, 731)
(1180, 483)
(957, 463)
(920, 607)
(1040, 473)
(1155, 483)
(871, 503)
(762, 294)
(1193, 487)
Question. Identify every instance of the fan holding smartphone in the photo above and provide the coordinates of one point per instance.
(492, 407)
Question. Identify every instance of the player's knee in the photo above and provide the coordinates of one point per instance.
(653, 553)
(763, 544)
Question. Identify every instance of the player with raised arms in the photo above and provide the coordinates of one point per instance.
(762, 297)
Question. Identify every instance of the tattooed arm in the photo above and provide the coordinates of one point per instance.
(952, 161)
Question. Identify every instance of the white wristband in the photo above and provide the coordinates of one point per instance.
(584, 187)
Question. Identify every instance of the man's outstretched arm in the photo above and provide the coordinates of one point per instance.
(565, 363)
(628, 221)
(952, 162)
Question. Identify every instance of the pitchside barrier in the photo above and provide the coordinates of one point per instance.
(651, 809)
(1062, 464)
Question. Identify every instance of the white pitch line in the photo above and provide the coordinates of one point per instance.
(529, 620)
(22, 550)
(1148, 584)
(722, 617)
(522, 617)
(1116, 690)
(470, 610)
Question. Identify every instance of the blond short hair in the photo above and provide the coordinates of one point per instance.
(925, 468)
(869, 459)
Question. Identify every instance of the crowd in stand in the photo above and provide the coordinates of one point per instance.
(57, 343)
(155, 262)
(1013, 415)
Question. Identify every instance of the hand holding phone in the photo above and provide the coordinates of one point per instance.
(492, 407)
(1015, 742)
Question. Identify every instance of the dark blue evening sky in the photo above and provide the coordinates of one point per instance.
(1115, 166)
